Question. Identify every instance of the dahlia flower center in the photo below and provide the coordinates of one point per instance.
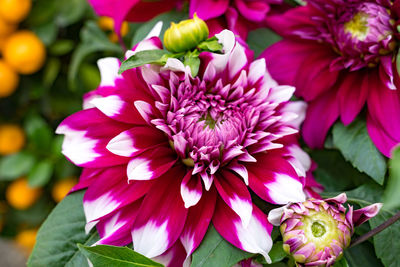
(358, 26)
(362, 33)
(320, 228)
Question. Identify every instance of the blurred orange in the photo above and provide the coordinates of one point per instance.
(107, 24)
(20, 195)
(12, 138)
(62, 187)
(14, 11)
(26, 239)
(9, 80)
(25, 52)
(6, 28)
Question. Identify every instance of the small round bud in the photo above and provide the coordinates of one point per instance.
(185, 35)
(316, 232)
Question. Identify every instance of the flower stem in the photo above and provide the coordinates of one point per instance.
(376, 230)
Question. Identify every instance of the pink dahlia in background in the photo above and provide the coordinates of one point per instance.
(239, 16)
(132, 10)
(165, 153)
(341, 55)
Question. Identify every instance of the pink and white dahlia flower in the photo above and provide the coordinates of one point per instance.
(341, 55)
(165, 153)
(239, 16)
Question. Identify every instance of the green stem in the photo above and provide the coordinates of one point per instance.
(376, 230)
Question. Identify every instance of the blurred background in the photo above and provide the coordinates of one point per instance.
(48, 54)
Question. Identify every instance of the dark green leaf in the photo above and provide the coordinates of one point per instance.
(362, 255)
(57, 237)
(141, 58)
(276, 254)
(40, 173)
(341, 263)
(391, 196)
(51, 71)
(334, 172)
(39, 132)
(103, 255)
(166, 18)
(61, 47)
(356, 146)
(16, 165)
(93, 40)
(258, 40)
(46, 32)
(215, 251)
(70, 11)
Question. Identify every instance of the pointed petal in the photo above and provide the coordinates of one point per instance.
(151, 164)
(175, 256)
(162, 216)
(235, 194)
(191, 189)
(360, 216)
(255, 238)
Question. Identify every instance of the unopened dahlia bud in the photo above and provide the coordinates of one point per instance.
(316, 232)
(185, 35)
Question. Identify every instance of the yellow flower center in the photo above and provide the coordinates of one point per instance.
(358, 26)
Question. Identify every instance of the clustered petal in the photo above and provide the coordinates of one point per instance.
(316, 232)
(341, 56)
(165, 154)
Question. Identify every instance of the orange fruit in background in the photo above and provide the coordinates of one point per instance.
(107, 24)
(12, 139)
(62, 187)
(9, 80)
(25, 52)
(20, 195)
(6, 28)
(14, 11)
(26, 239)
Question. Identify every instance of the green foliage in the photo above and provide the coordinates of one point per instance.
(103, 255)
(143, 57)
(391, 196)
(216, 251)
(356, 146)
(258, 40)
(57, 237)
(16, 165)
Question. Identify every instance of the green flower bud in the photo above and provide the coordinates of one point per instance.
(185, 35)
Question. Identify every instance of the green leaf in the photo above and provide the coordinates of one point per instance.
(211, 45)
(258, 40)
(39, 133)
(215, 251)
(276, 254)
(16, 165)
(51, 71)
(391, 195)
(61, 47)
(70, 12)
(93, 40)
(192, 60)
(103, 255)
(341, 263)
(40, 173)
(335, 173)
(141, 58)
(356, 146)
(361, 255)
(166, 19)
(57, 237)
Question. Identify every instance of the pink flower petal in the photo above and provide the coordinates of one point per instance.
(191, 189)
(207, 9)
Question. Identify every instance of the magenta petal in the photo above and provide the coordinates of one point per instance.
(252, 10)
(191, 189)
(111, 192)
(362, 215)
(255, 238)
(151, 164)
(315, 128)
(116, 229)
(162, 216)
(384, 142)
(135, 141)
(208, 9)
(235, 194)
(197, 222)
(352, 100)
(175, 256)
